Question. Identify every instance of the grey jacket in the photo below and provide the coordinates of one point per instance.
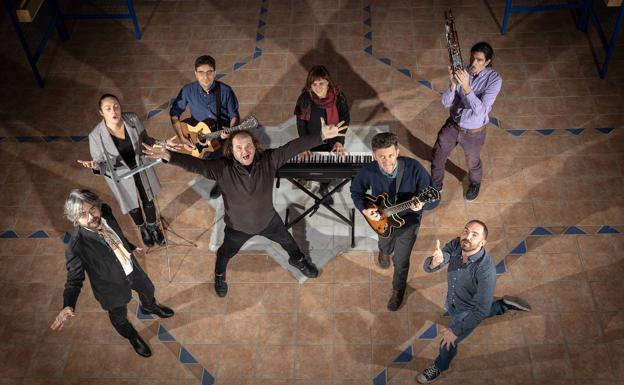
(101, 143)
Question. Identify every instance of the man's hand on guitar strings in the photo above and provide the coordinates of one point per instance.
(417, 206)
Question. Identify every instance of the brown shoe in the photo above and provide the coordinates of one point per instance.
(384, 260)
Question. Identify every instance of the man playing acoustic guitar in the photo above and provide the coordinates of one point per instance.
(383, 175)
(208, 99)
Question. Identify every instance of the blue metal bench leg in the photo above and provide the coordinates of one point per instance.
(506, 17)
(614, 36)
(135, 21)
(31, 60)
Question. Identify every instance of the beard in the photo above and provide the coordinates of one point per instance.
(466, 245)
(95, 223)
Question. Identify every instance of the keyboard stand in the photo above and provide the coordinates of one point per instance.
(318, 201)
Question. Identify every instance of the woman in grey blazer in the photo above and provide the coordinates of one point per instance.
(119, 137)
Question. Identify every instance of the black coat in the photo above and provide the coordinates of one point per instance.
(88, 252)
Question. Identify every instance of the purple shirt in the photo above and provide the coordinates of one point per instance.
(471, 111)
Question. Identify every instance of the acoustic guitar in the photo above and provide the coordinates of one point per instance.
(204, 134)
(390, 219)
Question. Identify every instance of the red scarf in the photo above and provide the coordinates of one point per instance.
(328, 103)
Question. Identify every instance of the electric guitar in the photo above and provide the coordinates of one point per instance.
(390, 219)
(205, 138)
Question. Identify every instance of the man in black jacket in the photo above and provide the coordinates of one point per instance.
(99, 248)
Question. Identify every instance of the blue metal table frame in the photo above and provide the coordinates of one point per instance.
(57, 21)
(510, 9)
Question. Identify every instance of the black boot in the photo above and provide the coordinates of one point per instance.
(396, 299)
(140, 347)
(146, 236)
(306, 267)
(221, 287)
(156, 234)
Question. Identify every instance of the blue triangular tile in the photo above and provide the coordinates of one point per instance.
(545, 131)
(604, 130)
(369, 50)
(368, 35)
(8, 234)
(164, 335)
(368, 22)
(153, 113)
(495, 121)
(26, 139)
(516, 132)
(381, 378)
(573, 230)
(78, 138)
(501, 268)
(259, 36)
(186, 357)
(575, 131)
(51, 138)
(39, 234)
(66, 237)
(405, 72)
(263, 10)
(238, 65)
(541, 231)
(426, 83)
(385, 60)
(607, 230)
(520, 249)
(219, 76)
(207, 378)
(430, 333)
(143, 316)
(367, 8)
(261, 23)
(405, 356)
(257, 53)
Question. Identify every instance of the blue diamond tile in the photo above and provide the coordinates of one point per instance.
(207, 378)
(143, 316)
(405, 356)
(385, 60)
(153, 113)
(381, 378)
(27, 139)
(368, 35)
(39, 234)
(541, 231)
(545, 131)
(604, 130)
(219, 76)
(430, 333)
(426, 83)
(257, 53)
(259, 36)
(516, 132)
(186, 357)
(368, 22)
(405, 72)
(238, 65)
(575, 131)
(78, 138)
(573, 230)
(8, 234)
(501, 268)
(263, 10)
(520, 249)
(607, 230)
(495, 121)
(164, 335)
(261, 23)
(369, 50)
(367, 8)
(51, 138)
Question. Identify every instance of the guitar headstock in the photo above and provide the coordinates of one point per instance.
(249, 123)
(429, 194)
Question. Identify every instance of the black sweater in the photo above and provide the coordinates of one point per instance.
(313, 126)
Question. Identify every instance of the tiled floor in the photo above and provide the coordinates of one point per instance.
(540, 173)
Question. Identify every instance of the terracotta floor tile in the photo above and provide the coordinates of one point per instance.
(590, 361)
(275, 361)
(314, 362)
(352, 297)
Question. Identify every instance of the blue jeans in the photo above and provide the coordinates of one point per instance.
(446, 355)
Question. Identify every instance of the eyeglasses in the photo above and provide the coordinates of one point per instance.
(205, 73)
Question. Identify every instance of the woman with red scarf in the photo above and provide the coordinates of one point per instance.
(320, 98)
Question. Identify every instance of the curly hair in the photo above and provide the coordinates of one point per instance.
(228, 151)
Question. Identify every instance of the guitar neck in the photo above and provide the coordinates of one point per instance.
(400, 207)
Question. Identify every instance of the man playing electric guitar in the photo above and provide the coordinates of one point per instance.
(402, 179)
(207, 98)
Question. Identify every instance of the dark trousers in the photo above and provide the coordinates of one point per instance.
(234, 240)
(448, 138)
(148, 205)
(401, 241)
(445, 356)
(139, 282)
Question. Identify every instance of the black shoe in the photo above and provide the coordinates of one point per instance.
(140, 347)
(324, 190)
(473, 191)
(396, 300)
(384, 260)
(159, 310)
(516, 303)
(146, 236)
(306, 267)
(429, 375)
(215, 192)
(156, 234)
(221, 287)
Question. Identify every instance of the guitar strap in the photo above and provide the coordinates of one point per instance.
(218, 103)
(401, 166)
